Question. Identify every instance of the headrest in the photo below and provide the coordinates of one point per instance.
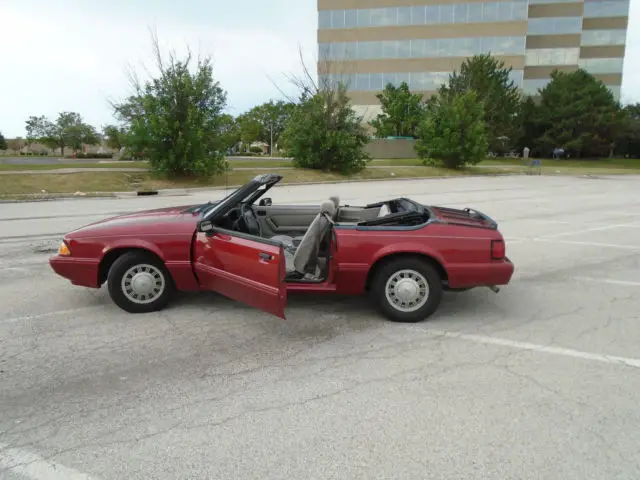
(335, 200)
(328, 207)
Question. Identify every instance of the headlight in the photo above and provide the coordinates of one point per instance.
(63, 250)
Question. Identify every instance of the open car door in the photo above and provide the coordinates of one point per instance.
(242, 267)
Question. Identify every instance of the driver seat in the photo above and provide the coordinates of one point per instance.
(291, 243)
(306, 254)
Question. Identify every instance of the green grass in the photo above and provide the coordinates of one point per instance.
(15, 185)
(87, 181)
(60, 166)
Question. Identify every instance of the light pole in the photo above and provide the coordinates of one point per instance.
(271, 135)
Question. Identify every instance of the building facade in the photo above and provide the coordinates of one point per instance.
(369, 43)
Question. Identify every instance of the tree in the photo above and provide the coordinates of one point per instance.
(114, 136)
(401, 114)
(628, 141)
(3, 142)
(266, 122)
(325, 133)
(491, 81)
(175, 119)
(229, 130)
(68, 130)
(579, 113)
(453, 132)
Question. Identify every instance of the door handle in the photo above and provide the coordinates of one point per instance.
(265, 256)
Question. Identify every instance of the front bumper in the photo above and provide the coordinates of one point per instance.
(79, 271)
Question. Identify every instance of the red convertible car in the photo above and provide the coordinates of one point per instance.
(403, 254)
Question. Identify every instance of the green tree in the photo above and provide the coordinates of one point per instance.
(492, 82)
(114, 136)
(401, 114)
(628, 141)
(453, 132)
(69, 130)
(3, 142)
(325, 133)
(579, 113)
(530, 127)
(266, 122)
(175, 119)
(229, 130)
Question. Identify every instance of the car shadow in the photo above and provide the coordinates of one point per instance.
(317, 310)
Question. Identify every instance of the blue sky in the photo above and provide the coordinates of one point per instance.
(74, 55)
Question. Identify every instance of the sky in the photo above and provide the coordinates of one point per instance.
(74, 55)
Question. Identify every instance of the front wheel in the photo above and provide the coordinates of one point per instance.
(139, 283)
(407, 290)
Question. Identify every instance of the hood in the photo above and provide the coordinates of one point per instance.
(160, 220)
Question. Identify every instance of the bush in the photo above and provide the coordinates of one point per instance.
(90, 155)
(255, 150)
(324, 133)
(453, 133)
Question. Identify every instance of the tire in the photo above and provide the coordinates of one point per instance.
(151, 272)
(418, 272)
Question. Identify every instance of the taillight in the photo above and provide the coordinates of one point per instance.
(497, 249)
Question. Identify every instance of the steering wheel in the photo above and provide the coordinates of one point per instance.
(250, 220)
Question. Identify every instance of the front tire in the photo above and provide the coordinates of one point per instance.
(407, 290)
(139, 283)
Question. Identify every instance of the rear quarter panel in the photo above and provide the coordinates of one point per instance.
(464, 252)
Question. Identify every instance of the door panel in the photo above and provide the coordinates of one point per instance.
(242, 267)
(286, 219)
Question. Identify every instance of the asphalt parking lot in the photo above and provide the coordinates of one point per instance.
(540, 381)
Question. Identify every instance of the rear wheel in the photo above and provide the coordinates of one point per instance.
(139, 283)
(407, 289)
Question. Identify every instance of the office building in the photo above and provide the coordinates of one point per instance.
(369, 43)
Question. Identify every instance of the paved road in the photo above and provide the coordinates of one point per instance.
(56, 160)
(538, 382)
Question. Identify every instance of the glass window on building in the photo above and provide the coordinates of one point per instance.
(554, 25)
(601, 65)
(600, 9)
(404, 16)
(532, 85)
(418, 15)
(552, 56)
(351, 19)
(603, 37)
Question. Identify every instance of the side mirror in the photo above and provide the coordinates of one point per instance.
(265, 202)
(205, 226)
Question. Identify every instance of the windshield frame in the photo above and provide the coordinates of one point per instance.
(248, 192)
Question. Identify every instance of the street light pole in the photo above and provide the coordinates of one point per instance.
(271, 132)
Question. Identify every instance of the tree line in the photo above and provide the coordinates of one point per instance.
(177, 121)
(481, 109)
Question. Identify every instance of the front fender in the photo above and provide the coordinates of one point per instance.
(133, 243)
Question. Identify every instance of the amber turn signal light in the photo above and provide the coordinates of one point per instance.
(63, 250)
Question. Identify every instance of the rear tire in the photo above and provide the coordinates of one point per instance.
(407, 290)
(139, 282)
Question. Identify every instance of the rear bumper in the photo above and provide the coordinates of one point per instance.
(481, 275)
(79, 271)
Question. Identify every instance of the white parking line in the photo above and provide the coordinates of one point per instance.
(32, 466)
(608, 280)
(48, 314)
(594, 229)
(566, 352)
(586, 244)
